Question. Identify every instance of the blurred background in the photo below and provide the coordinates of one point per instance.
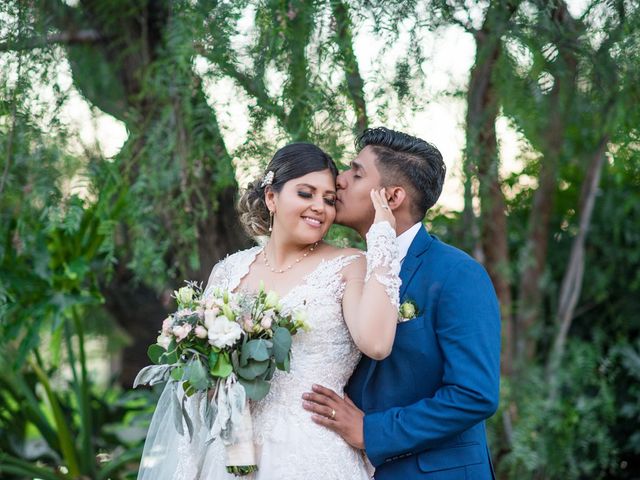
(127, 128)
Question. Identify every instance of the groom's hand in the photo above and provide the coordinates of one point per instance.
(336, 413)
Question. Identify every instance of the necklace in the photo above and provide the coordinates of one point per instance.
(288, 267)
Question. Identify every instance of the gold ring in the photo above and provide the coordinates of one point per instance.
(333, 414)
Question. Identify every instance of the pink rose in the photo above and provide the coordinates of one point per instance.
(266, 322)
(181, 331)
(166, 326)
(201, 332)
(247, 323)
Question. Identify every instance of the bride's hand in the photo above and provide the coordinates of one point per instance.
(383, 211)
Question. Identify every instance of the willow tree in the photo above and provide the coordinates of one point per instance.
(136, 62)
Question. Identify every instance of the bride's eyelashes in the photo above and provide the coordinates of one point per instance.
(331, 201)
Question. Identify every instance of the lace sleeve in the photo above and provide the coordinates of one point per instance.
(383, 259)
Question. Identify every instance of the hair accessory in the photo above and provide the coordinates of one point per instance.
(267, 180)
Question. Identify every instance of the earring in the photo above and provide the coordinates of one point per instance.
(270, 220)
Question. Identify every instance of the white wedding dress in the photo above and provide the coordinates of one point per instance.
(289, 445)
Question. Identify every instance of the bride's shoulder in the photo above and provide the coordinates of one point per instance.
(242, 254)
(333, 252)
(347, 260)
(234, 259)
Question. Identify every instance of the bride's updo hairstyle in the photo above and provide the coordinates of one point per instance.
(291, 161)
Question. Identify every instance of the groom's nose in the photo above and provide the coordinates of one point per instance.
(341, 181)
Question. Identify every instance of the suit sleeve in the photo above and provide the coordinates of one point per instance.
(467, 327)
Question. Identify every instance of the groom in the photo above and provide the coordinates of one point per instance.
(419, 413)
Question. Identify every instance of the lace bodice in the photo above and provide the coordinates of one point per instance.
(325, 354)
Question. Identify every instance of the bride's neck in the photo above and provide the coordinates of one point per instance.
(283, 251)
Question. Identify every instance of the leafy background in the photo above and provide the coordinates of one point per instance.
(92, 243)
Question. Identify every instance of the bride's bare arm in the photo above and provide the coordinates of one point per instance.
(371, 297)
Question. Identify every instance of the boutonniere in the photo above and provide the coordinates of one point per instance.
(408, 311)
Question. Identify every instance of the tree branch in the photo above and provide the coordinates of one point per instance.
(354, 81)
(253, 85)
(63, 38)
(572, 281)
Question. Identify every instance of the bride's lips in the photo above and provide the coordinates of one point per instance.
(312, 222)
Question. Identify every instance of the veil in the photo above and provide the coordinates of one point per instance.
(169, 453)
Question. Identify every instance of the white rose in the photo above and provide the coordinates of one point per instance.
(201, 332)
(223, 332)
(164, 341)
(210, 315)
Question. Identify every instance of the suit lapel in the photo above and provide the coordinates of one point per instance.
(410, 266)
(413, 260)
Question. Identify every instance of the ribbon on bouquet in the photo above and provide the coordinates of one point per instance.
(229, 418)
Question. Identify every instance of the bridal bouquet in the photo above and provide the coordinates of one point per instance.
(227, 345)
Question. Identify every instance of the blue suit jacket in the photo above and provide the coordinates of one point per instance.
(426, 403)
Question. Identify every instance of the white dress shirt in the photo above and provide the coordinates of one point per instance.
(405, 239)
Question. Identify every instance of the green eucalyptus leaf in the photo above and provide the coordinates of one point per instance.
(253, 369)
(154, 352)
(177, 373)
(197, 375)
(213, 359)
(285, 365)
(268, 375)
(255, 389)
(223, 367)
(256, 349)
(281, 344)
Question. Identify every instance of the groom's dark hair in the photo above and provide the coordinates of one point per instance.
(409, 162)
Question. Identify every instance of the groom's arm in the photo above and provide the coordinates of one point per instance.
(467, 324)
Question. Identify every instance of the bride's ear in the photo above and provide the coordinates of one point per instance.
(270, 198)
(395, 196)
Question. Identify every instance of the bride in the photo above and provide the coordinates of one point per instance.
(351, 301)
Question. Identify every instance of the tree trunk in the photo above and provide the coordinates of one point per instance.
(534, 253)
(354, 81)
(299, 27)
(128, 50)
(481, 150)
(572, 280)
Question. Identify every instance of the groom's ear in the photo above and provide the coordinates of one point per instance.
(396, 196)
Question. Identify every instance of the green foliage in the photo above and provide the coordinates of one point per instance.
(73, 423)
(576, 435)
(73, 225)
